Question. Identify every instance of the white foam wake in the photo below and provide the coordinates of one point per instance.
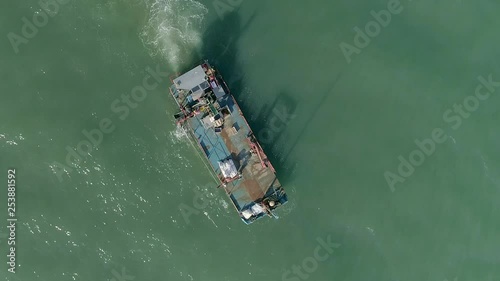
(173, 29)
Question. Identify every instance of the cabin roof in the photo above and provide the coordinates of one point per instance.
(191, 79)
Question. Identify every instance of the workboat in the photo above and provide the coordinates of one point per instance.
(214, 121)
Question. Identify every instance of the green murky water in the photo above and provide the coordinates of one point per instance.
(113, 211)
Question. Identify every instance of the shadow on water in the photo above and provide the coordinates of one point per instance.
(272, 121)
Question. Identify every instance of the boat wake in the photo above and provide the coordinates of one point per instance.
(173, 29)
(179, 135)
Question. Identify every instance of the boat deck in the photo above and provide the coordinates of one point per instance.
(257, 181)
(215, 121)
